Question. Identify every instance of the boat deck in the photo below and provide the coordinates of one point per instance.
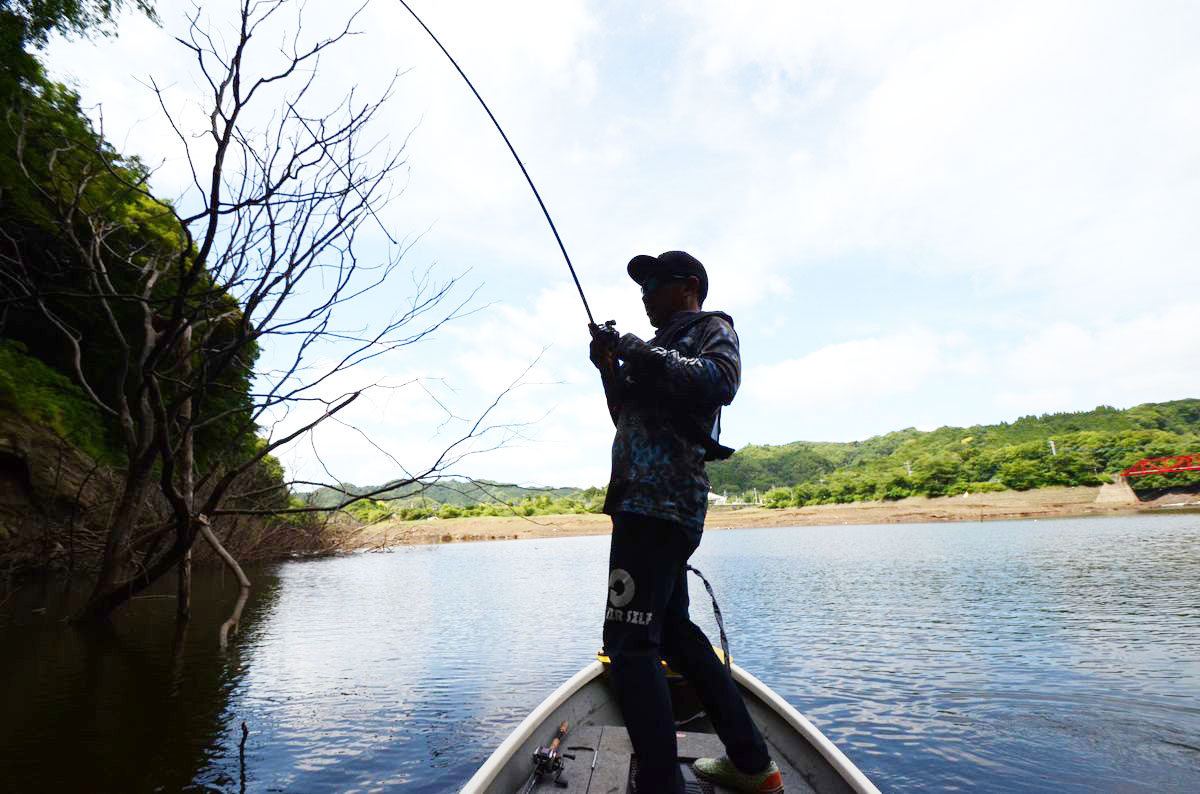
(603, 756)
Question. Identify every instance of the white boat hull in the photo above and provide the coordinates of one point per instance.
(810, 761)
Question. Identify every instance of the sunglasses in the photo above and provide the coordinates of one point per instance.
(654, 282)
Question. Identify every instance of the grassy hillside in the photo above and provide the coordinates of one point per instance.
(39, 394)
(1082, 448)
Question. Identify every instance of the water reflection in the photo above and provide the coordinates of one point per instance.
(407, 667)
(135, 706)
(1052, 655)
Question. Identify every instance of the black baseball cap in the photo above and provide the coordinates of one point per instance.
(669, 263)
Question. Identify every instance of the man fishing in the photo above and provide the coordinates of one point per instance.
(665, 398)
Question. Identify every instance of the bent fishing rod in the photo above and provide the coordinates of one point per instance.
(516, 157)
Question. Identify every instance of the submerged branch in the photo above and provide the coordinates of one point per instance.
(243, 580)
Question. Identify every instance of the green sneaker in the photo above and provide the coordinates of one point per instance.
(722, 772)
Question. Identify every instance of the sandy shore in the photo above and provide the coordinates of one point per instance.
(1042, 503)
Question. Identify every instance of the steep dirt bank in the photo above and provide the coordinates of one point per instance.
(1042, 503)
(55, 502)
(51, 496)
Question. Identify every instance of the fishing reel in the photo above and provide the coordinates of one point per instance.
(548, 762)
(606, 332)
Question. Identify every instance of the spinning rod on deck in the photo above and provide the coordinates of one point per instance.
(528, 179)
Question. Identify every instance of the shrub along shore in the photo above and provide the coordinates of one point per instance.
(1054, 502)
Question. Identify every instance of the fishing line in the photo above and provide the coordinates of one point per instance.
(528, 179)
(717, 614)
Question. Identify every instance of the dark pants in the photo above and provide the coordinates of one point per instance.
(647, 620)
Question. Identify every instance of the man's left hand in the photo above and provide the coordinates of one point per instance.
(631, 347)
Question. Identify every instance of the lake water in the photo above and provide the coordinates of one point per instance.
(1004, 656)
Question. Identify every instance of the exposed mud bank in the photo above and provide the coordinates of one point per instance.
(1042, 503)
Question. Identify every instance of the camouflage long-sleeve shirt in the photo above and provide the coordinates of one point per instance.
(661, 400)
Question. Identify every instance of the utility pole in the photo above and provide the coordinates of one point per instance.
(1053, 451)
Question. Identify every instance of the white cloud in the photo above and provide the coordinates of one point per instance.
(1006, 142)
(1025, 176)
(917, 377)
(1065, 366)
(855, 371)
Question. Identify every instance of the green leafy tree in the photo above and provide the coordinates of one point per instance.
(39, 18)
(1021, 474)
(897, 485)
(933, 475)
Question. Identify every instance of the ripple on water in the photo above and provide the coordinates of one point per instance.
(1007, 656)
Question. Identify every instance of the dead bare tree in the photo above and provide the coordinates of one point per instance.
(263, 250)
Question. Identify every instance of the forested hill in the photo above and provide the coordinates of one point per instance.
(1083, 448)
(449, 491)
(454, 497)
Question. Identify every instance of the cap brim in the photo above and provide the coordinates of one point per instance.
(640, 267)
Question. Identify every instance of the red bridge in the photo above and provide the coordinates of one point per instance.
(1163, 465)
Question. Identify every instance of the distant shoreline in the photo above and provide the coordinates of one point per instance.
(1056, 502)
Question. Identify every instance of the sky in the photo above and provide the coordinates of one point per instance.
(918, 214)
